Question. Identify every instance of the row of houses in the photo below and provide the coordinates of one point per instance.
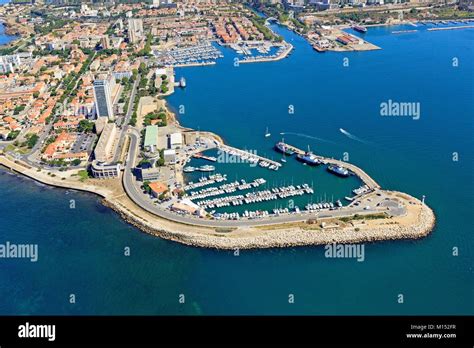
(60, 148)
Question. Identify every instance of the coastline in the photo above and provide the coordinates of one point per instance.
(13, 30)
(267, 235)
(418, 223)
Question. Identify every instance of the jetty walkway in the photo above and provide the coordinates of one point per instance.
(366, 178)
(247, 155)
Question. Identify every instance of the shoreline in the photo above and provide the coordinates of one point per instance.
(261, 234)
(12, 38)
(259, 237)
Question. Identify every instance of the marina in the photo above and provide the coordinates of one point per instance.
(282, 52)
(201, 54)
(237, 105)
(204, 181)
(232, 187)
(205, 168)
(256, 196)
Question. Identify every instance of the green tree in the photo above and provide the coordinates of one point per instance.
(86, 126)
(32, 140)
(146, 186)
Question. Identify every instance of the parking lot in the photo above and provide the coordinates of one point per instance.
(84, 143)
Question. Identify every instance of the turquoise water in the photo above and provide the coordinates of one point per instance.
(81, 250)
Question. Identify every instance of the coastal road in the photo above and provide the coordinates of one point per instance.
(133, 190)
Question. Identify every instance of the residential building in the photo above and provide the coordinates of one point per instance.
(135, 30)
(104, 150)
(105, 42)
(103, 88)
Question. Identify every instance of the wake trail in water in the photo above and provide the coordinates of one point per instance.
(353, 137)
(307, 136)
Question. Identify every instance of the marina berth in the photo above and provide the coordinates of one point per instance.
(226, 188)
(205, 181)
(204, 53)
(256, 196)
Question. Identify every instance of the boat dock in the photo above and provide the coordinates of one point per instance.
(201, 156)
(250, 157)
(452, 28)
(371, 183)
(404, 31)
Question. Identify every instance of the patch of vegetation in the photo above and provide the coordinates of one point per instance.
(31, 141)
(83, 175)
(363, 217)
(13, 135)
(155, 116)
(86, 126)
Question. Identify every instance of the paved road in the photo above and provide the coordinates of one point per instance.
(135, 193)
(126, 119)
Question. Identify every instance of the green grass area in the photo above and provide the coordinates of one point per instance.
(364, 217)
(83, 175)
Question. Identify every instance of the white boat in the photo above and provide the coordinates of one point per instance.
(267, 134)
(206, 168)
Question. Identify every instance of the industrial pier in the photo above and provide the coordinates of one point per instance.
(366, 178)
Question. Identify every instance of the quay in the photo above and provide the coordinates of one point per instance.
(452, 28)
(249, 156)
(201, 156)
(404, 31)
(366, 178)
(187, 65)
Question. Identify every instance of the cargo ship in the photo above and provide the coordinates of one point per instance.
(360, 29)
(338, 170)
(309, 158)
(282, 148)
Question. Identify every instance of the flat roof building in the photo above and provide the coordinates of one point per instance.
(104, 150)
(175, 140)
(102, 170)
(169, 155)
(135, 29)
(103, 88)
(149, 174)
(151, 138)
